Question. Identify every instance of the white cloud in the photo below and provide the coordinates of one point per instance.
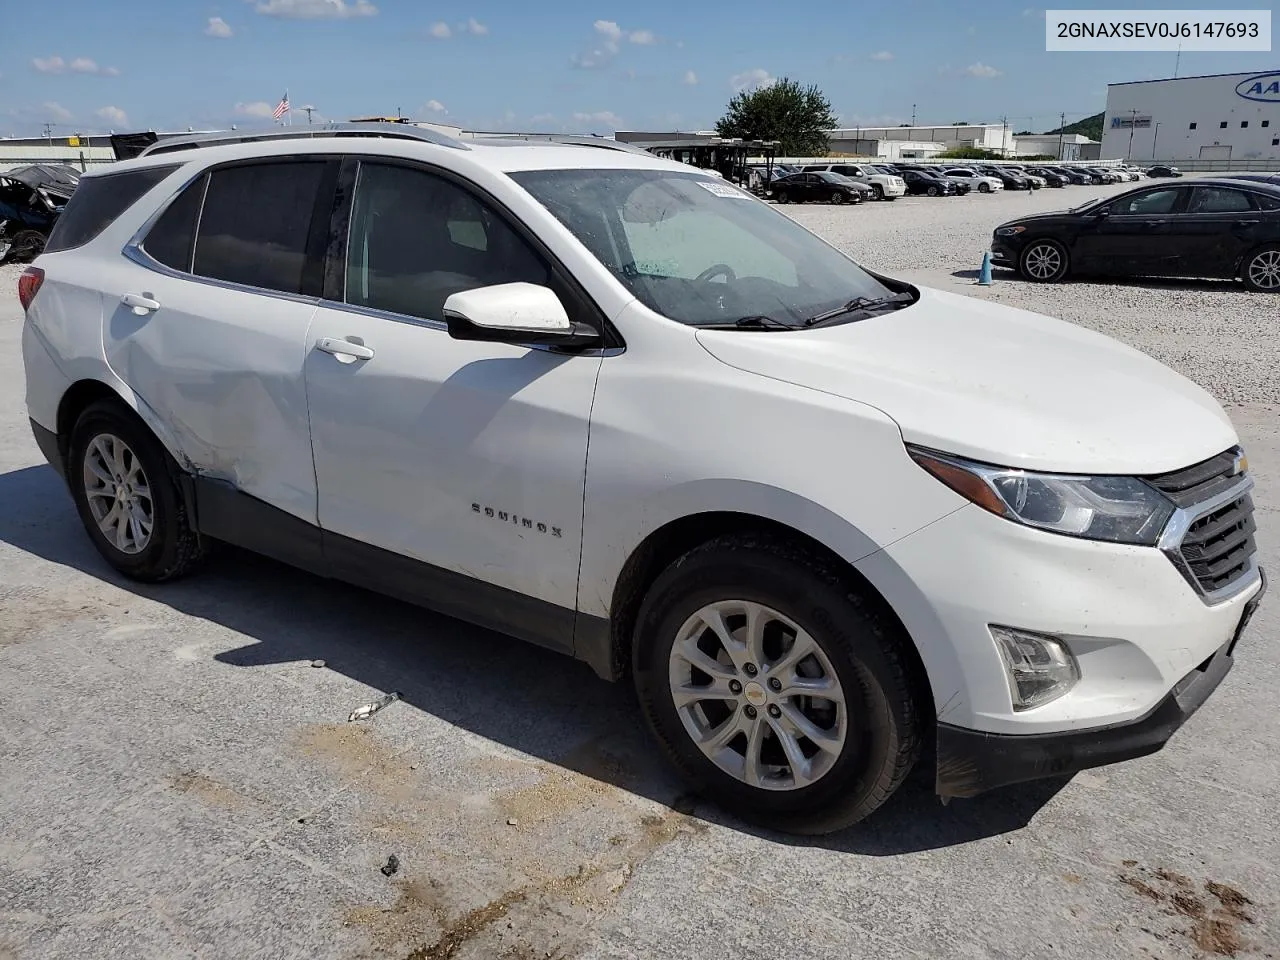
(56, 110)
(315, 9)
(882, 55)
(53, 64)
(752, 79)
(608, 29)
(217, 27)
(981, 69)
(56, 64)
(113, 115)
(594, 58)
(259, 109)
(441, 31)
(600, 117)
(542, 117)
(690, 79)
(435, 106)
(473, 27)
(642, 38)
(83, 65)
(610, 36)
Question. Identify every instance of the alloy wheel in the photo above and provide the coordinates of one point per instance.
(1264, 270)
(757, 695)
(118, 493)
(1043, 261)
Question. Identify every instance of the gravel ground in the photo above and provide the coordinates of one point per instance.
(178, 779)
(1218, 334)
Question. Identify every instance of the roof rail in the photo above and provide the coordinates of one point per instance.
(393, 131)
(563, 138)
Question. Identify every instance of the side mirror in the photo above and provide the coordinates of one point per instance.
(1103, 213)
(519, 313)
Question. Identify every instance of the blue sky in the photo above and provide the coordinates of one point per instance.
(551, 65)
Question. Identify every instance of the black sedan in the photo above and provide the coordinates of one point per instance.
(1075, 176)
(1010, 179)
(1163, 170)
(1051, 177)
(1218, 228)
(1273, 178)
(927, 183)
(823, 187)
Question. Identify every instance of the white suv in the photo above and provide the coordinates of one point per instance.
(884, 186)
(607, 403)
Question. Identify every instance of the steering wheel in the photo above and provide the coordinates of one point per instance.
(716, 270)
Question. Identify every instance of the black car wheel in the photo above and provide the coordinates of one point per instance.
(1043, 261)
(932, 191)
(25, 246)
(877, 191)
(782, 197)
(1261, 270)
(837, 198)
(984, 188)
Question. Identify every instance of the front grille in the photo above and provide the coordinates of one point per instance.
(1218, 545)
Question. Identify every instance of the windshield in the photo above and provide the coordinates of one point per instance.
(700, 251)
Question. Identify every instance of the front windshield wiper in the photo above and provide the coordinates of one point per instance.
(858, 304)
(749, 323)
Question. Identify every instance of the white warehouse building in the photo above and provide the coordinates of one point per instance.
(1223, 117)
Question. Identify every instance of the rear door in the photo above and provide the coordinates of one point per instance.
(1136, 236)
(1217, 227)
(207, 319)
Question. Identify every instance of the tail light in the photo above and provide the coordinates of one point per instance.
(29, 285)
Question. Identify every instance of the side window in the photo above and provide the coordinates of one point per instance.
(98, 201)
(172, 238)
(256, 224)
(417, 238)
(1267, 203)
(1151, 202)
(1218, 200)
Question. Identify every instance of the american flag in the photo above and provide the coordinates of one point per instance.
(281, 108)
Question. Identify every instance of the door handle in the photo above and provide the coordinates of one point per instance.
(344, 350)
(142, 304)
(1247, 223)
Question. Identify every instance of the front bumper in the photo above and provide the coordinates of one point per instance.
(971, 762)
(1003, 256)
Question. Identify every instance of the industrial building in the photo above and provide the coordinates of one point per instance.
(80, 152)
(909, 141)
(1221, 117)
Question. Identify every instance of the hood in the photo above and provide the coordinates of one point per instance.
(998, 384)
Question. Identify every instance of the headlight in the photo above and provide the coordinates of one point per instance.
(1009, 231)
(1113, 509)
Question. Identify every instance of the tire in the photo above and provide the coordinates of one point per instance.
(837, 198)
(984, 188)
(856, 649)
(1260, 269)
(1043, 261)
(877, 192)
(932, 191)
(107, 432)
(782, 197)
(25, 246)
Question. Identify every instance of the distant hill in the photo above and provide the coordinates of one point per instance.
(1090, 127)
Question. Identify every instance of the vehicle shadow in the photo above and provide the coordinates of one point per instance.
(1173, 284)
(527, 698)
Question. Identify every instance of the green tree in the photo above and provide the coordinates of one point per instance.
(969, 153)
(798, 117)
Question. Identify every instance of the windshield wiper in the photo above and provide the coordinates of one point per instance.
(749, 323)
(858, 304)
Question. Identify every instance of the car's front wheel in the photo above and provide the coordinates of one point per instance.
(776, 689)
(877, 191)
(932, 191)
(984, 188)
(125, 488)
(1043, 261)
(782, 197)
(1261, 270)
(837, 198)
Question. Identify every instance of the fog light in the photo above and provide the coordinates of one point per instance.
(1040, 668)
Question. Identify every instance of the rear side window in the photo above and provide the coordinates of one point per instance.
(98, 201)
(172, 238)
(257, 223)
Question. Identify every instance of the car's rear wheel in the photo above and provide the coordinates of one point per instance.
(877, 191)
(837, 198)
(125, 488)
(1043, 261)
(984, 188)
(1261, 270)
(783, 197)
(776, 690)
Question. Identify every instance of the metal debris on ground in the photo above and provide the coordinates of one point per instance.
(392, 866)
(512, 821)
(369, 709)
(318, 663)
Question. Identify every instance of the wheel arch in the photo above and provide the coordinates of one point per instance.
(664, 545)
(80, 394)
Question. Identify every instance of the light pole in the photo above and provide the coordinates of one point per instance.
(1062, 122)
(1154, 140)
(1133, 122)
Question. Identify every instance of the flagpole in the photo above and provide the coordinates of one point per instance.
(288, 113)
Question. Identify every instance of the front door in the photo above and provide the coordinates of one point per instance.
(462, 464)
(1134, 238)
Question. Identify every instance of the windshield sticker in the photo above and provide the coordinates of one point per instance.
(723, 190)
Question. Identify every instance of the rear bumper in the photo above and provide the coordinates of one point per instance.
(47, 441)
(971, 762)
